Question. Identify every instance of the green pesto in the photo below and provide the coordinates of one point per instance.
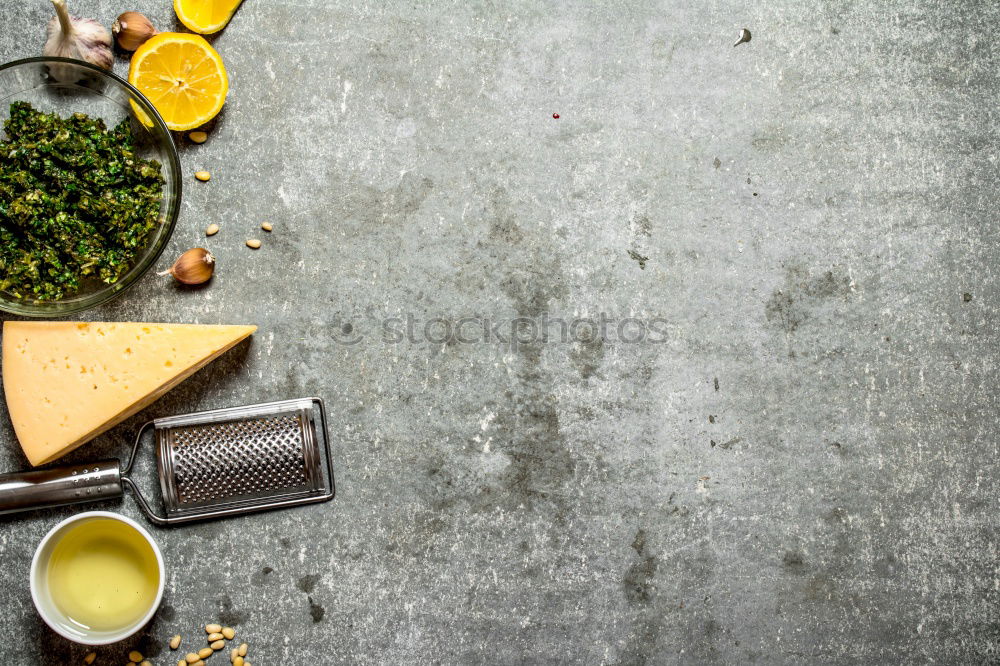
(76, 203)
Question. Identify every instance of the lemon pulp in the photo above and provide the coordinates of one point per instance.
(103, 575)
(183, 77)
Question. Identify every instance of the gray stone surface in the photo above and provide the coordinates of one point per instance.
(801, 470)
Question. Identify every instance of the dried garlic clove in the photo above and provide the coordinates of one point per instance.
(131, 30)
(195, 266)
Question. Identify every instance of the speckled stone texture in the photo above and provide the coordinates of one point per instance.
(800, 468)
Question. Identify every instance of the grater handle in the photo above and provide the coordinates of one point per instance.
(56, 486)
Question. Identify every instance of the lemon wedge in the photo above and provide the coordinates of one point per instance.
(205, 16)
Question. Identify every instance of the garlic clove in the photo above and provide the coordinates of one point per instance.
(78, 38)
(193, 267)
(131, 30)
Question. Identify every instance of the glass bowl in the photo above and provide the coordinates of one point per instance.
(84, 88)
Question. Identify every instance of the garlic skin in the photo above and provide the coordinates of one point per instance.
(78, 38)
(193, 267)
(131, 30)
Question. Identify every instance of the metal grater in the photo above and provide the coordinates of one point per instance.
(210, 464)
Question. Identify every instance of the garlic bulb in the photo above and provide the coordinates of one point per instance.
(193, 267)
(79, 38)
(131, 30)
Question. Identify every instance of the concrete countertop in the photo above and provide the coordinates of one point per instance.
(782, 446)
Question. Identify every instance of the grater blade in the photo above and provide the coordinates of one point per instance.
(228, 461)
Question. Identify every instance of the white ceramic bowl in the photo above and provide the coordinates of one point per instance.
(43, 599)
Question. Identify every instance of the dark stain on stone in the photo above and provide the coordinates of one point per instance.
(638, 581)
(770, 140)
(793, 559)
(711, 418)
(781, 308)
(503, 227)
(715, 381)
(712, 442)
(204, 530)
(227, 615)
(834, 30)
(641, 259)
(643, 226)
(730, 443)
(285, 542)
(540, 459)
(411, 193)
(149, 646)
(792, 305)
(370, 205)
(541, 462)
(261, 577)
(316, 611)
(836, 516)
(428, 525)
(966, 297)
(886, 567)
(308, 583)
(588, 354)
(717, 163)
(639, 542)
(167, 612)
(820, 588)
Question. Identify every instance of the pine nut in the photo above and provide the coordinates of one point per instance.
(212, 229)
(182, 662)
(205, 653)
(135, 656)
(192, 657)
(254, 243)
(175, 642)
(243, 650)
(198, 137)
(89, 659)
(213, 628)
(218, 645)
(266, 226)
(238, 661)
(235, 652)
(215, 636)
(203, 176)
(146, 663)
(229, 633)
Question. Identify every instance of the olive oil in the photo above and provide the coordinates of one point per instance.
(103, 575)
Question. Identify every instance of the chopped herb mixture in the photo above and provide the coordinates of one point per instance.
(76, 202)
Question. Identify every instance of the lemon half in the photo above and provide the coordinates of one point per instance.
(183, 76)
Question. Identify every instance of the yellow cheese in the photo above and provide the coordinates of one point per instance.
(67, 382)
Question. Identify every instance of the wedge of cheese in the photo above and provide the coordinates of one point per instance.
(67, 382)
